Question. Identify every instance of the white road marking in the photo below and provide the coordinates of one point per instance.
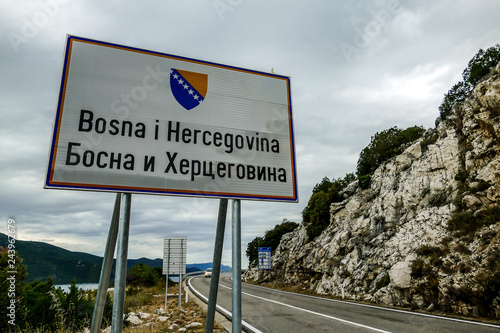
(312, 312)
(385, 309)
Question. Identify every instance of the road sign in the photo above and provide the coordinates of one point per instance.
(134, 120)
(264, 258)
(174, 255)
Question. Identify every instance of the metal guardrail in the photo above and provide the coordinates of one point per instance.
(203, 272)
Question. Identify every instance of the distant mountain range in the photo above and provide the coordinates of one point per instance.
(43, 260)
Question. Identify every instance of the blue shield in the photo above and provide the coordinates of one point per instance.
(188, 88)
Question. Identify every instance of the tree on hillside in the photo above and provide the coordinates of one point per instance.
(271, 239)
(316, 215)
(383, 146)
(142, 275)
(480, 65)
(252, 248)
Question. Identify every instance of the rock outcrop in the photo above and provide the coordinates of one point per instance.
(393, 243)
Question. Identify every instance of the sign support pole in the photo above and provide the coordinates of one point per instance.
(216, 262)
(180, 273)
(172, 249)
(168, 264)
(121, 266)
(236, 271)
(107, 264)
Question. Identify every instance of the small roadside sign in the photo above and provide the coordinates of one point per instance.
(174, 255)
(264, 258)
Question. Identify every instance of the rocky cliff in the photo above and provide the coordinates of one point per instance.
(426, 233)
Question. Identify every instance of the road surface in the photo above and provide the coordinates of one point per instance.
(268, 310)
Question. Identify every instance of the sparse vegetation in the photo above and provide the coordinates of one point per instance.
(428, 141)
(462, 248)
(364, 181)
(316, 215)
(482, 296)
(480, 186)
(384, 281)
(480, 65)
(383, 146)
(420, 269)
(143, 275)
(432, 251)
(467, 223)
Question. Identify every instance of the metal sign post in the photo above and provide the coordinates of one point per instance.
(121, 266)
(180, 273)
(107, 264)
(236, 272)
(166, 274)
(174, 247)
(216, 262)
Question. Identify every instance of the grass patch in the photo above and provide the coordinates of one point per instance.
(481, 186)
(420, 269)
(431, 251)
(428, 141)
(462, 248)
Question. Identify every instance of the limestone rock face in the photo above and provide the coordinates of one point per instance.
(400, 274)
(392, 244)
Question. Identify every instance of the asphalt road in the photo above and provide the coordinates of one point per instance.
(268, 310)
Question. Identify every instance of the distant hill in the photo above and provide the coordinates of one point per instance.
(43, 260)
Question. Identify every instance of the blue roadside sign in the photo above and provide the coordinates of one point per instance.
(264, 258)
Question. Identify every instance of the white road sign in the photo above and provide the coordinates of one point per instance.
(133, 120)
(174, 255)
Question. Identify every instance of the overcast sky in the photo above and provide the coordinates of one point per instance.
(356, 68)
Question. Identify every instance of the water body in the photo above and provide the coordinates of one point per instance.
(94, 286)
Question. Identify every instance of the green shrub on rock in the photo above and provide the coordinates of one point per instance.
(480, 65)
